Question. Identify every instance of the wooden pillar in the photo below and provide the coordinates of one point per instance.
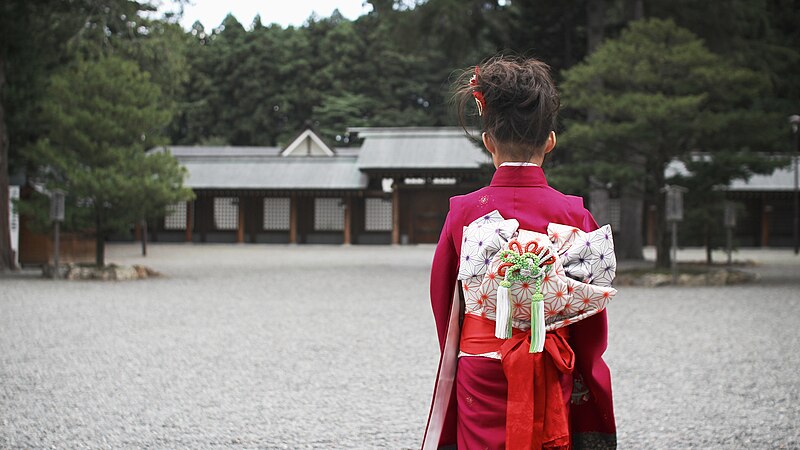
(137, 231)
(157, 225)
(395, 214)
(411, 215)
(189, 220)
(205, 216)
(293, 219)
(256, 217)
(348, 213)
(240, 222)
(651, 225)
(765, 211)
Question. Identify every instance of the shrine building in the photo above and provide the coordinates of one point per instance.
(393, 189)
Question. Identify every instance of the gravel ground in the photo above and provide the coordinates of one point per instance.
(248, 346)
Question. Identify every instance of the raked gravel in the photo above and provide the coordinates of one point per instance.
(269, 346)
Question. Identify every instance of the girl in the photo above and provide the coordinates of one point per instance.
(474, 405)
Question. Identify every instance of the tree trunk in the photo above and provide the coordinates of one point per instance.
(100, 242)
(595, 24)
(635, 9)
(631, 209)
(6, 261)
(568, 29)
(599, 204)
(631, 212)
(144, 237)
(663, 234)
(630, 245)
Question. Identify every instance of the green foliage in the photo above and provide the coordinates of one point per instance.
(261, 86)
(100, 116)
(38, 38)
(657, 90)
(663, 95)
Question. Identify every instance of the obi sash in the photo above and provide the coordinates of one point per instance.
(536, 414)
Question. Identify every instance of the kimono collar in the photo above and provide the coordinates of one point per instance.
(520, 176)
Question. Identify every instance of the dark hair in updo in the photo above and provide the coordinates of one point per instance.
(521, 103)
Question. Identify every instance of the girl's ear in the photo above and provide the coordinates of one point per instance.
(550, 144)
(489, 143)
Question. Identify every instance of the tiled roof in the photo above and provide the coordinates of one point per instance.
(275, 173)
(418, 148)
(181, 151)
(782, 179)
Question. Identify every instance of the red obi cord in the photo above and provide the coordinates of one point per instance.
(536, 412)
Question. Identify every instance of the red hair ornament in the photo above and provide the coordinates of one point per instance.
(479, 100)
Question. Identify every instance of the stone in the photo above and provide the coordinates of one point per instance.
(111, 272)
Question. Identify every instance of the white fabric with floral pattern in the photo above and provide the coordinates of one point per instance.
(577, 285)
(483, 238)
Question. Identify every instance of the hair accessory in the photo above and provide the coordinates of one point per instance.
(479, 100)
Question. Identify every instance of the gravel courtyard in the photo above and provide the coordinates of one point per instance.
(256, 346)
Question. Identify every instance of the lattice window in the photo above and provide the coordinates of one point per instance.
(176, 216)
(328, 214)
(378, 214)
(226, 213)
(277, 212)
(614, 213)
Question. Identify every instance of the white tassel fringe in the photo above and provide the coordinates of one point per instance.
(537, 327)
(502, 314)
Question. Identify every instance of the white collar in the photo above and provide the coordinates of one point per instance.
(518, 164)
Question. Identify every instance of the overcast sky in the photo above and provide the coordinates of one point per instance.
(287, 12)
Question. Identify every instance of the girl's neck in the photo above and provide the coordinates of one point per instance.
(537, 161)
(518, 163)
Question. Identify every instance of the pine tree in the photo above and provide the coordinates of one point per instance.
(664, 95)
(100, 116)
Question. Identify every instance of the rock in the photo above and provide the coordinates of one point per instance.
(146, 272)
(710, 277)
(740, 277)
(125, 273)
(112, 272)
(718, 278)
(141, 271)
(651, 280)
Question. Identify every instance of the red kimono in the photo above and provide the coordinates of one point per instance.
(522, 193)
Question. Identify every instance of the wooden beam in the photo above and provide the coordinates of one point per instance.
(157, 225)
(765, 211)
(396, 213)
(189, 220)
(206, 215)
(240, 222)
(651, 225)
(411, 222)
(293, 219)
(348, 213)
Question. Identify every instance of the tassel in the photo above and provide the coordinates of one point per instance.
(537, 323)
(502, 325)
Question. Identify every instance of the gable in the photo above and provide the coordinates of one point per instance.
(307, 144)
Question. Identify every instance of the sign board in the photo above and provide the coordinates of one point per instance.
(13, 194)
(730, 215)
(675, 202)
(57, 205)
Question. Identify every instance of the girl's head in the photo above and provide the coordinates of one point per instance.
(519, 106)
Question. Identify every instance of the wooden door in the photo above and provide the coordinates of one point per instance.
(427, 210)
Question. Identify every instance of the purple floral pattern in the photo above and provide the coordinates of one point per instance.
(577, 286)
